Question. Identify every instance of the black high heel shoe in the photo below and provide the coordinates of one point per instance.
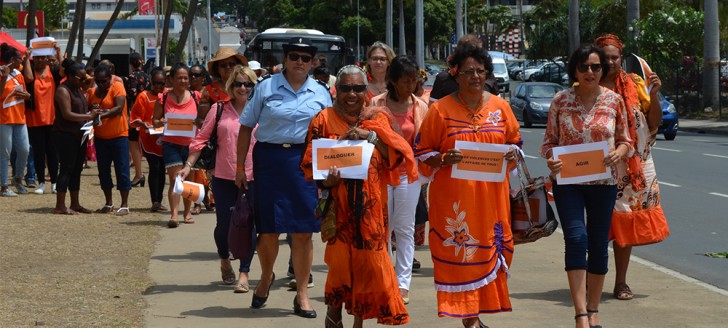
(310, 314)
(142, 181)
(258, 301)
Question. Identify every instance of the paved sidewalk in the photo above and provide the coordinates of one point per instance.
(188, 291)
(703, 126)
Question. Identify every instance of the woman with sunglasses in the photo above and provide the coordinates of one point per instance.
(638, 218)
(141, 117)
(111, 137)
(361, 276)
(586, 113)
(72, 112)
(282, 106)
(198, 77)
(408, 112)
(470, 231)
(241, 82)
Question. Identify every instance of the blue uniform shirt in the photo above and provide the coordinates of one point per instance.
(283, 115)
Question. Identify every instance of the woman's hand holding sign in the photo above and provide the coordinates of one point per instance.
(616, 155)
(333, 178)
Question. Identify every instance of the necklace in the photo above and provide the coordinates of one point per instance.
(473, 114)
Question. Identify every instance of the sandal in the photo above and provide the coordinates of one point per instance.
(197, 209)
(330, 323)
(622, 292)
(589, 314)
(82, 210)
(67, 211)
(122, 211)
(228, 275)
(172, 224)
(189, 220)
(106, 209)
(241, 288)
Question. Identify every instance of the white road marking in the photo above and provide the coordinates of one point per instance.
(669, 184)
(526, 131)
(529, 156)
(714, 155)
(718, 194)
(702, 140)
(667, 149)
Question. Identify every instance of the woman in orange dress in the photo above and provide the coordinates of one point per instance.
(151, 146)
(638, 218)
(360, 271)
(470, 231)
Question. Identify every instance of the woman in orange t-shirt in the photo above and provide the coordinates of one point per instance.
(141, 117)
(42, 79)
(13, 133)
(110, 135)
(175, 149)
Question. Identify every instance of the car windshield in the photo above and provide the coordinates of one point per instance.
(543, 91)
(499, 68)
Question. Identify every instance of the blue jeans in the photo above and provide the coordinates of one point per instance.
(226, 192)
(29, 167)
(590, 235)
(114, 150)
(13, 136)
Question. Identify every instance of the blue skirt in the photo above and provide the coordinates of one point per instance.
(284, 200)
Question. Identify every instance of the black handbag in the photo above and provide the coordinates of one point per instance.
(240, 232)
(206, 161)
(532, 217)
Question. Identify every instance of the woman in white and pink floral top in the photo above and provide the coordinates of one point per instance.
(584, 114)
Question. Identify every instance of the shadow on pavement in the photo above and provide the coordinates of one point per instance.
(245, 312)
(194, 256)
(164, 289)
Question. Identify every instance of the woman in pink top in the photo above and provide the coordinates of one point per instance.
(408, 112)
(175, 149)
(241, 81)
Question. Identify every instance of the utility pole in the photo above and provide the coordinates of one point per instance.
(458, 19)
(389, 33)
(633, 14)
(573, 25)
(420, 33)
(209, 32)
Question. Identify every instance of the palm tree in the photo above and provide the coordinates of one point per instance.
(459, 19)
(105, 32)
(420, 33)
(389, 38)
(711, 51)
(573, 25)
(30, 33)
(633, 14)
(79, 53)
(402, 43)
(189, 19)
(77, 19)
(165, 32)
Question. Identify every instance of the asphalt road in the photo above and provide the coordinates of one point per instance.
(693, 175)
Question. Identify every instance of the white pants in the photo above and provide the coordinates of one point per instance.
(402, 205)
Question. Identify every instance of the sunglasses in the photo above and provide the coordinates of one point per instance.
(595, 68)
(227, 65)
(480, 72)
(347, 88)
(100, 82)
(162, 83)
(294, 57)
(196, 75)
(248, 85)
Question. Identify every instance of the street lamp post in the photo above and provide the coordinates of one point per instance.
(358, 48)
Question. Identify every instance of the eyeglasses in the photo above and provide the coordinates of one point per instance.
(378, 59)
(99, 82)
(347, 88)
(480, 72)
(294, 57)
(238, 84)
(595, 68)
(227, 64)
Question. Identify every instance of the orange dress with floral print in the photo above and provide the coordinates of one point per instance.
(361, 274)
(470, 232)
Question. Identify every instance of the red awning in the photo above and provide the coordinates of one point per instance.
(6, 38)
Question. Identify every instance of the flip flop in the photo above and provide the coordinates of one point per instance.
(189, 220)
(82, 210)
(106, 209)
(197, 209)
(122, 211)
(172, 224)
(68, 211)
(622, 292)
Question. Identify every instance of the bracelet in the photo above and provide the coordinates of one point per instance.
(372, 137)
(442, 159)
(239, 169)
(188, 164)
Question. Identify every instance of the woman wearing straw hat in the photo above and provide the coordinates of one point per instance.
(282, 106)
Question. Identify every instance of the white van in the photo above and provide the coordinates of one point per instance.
(500, 71)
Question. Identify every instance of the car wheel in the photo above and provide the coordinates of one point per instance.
(526, 121)
(670, 136)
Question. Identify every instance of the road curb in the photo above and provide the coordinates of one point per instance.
(705, 130)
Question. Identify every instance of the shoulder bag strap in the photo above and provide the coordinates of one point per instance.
(218, 115)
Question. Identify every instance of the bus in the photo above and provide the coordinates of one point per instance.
(267, 47)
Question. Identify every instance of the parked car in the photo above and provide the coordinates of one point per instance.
(670, 123)
(500, 71)
(514, 69)
(550, 72)
(433, 69)
(531, 101)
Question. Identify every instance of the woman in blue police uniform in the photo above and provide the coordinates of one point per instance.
(282, 107)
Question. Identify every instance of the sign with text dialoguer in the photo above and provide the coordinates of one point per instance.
(582, 163)
(481, 161)
(351, 158)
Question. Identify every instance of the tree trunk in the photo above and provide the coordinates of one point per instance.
(30, 32)
(573, 25)
(105, 32)
(402, 41)
(389, 28)
(165, 33)
(79, 53)
(420, 33)
(189, 19)
(711, 52)
(74, 29)
(633, 14)
(458, 19)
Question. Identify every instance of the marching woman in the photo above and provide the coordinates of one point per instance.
(72, 111)
(141, 117)
(13, 133)
(175, 149)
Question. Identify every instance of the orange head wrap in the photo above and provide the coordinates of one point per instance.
(609, 40)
